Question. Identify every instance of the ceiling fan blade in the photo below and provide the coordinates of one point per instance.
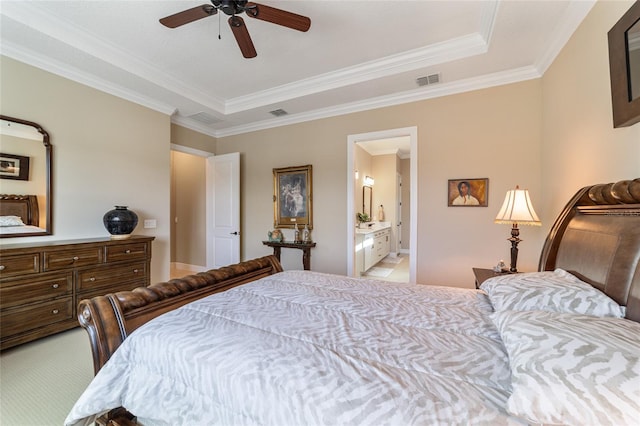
(278, 16)
(189, 15)
(241, 34)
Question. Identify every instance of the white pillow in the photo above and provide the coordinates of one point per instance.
(11, 221)
(572, 369)
(556, 291)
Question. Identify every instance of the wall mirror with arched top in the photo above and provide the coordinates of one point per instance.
(25, 179)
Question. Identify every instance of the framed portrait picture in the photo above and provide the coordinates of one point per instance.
(14, 167)
(292, 197)
(468, 192)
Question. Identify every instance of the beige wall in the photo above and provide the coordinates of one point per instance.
(492, 133)
(192, 139)
(551, 135)
(106, 151)
(579, 144)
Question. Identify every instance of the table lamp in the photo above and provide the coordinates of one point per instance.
(517, 209)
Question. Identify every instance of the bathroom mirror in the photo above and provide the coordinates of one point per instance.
(624, 67)
(367, 197)
(25, 179)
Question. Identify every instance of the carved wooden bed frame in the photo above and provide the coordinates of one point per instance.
(596, 237)
(23, 206)
(111, 318)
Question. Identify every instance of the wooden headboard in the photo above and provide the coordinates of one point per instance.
(597, 238)
(23, 206)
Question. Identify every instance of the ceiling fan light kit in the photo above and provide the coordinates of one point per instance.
(236, 23)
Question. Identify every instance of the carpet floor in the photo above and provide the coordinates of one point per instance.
(41, 380)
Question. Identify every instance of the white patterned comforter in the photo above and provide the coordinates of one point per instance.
(306, 348)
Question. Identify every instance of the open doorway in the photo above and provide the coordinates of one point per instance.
(188, 210)
(400, 222)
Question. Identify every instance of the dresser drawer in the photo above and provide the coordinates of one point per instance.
(19, 264)
(111, 275)
(41, 287)
(114, 288)
(74, 258)
(133, 251)
(28, 317)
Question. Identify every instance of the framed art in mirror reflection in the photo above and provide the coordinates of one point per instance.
(14, 167)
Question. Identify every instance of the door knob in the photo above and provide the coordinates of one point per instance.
(234, 233)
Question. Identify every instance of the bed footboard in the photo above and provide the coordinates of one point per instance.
(111, 318)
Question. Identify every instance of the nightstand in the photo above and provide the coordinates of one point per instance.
(483, 274)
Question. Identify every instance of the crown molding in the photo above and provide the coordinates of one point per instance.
(573, 16)
(473, 44)
(437, 53)
(30, 15)
(66, 32)
(64, 70)
(424, 57)
(193, 125)
(427, 92)
(488, 20)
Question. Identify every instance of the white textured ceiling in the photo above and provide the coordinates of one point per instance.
(356, 56)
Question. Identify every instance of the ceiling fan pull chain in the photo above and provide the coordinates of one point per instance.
(219, 37)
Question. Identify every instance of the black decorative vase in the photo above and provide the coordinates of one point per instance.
(120, 222)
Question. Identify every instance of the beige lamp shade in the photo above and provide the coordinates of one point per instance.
(517, 208)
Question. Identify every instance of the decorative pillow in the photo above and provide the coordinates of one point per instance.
(556, 291)
(11, 221)
(572, 369)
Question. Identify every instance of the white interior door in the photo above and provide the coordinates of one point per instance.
(223, 210)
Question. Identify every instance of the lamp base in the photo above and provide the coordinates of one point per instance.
(515, 233)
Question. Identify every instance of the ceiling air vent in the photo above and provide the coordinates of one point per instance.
(278, 112)
(430, 79)
(203, 117)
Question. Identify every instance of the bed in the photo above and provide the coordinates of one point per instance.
(19, 214)
(253, 344)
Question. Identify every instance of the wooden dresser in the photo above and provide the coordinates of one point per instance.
(42, 283)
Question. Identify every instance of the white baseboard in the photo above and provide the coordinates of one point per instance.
(405, 251)
(188, 267)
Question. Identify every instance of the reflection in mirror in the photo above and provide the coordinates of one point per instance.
(25, 179)
(633, 53)
(367, 193)
(624, 67)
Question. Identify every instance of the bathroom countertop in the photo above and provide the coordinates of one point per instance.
(373, 227)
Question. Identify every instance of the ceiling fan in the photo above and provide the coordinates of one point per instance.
(233, 9)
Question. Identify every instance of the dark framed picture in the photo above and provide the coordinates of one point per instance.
(468, 192)
(14, 167)
(292, 197)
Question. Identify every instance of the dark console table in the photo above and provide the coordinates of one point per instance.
(305, 247)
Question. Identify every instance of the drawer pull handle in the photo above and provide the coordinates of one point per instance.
(55, 285)
(92, 279)
(1, 267)
(135, 271)
(55, 311)
(75, 258)
(127, 251)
